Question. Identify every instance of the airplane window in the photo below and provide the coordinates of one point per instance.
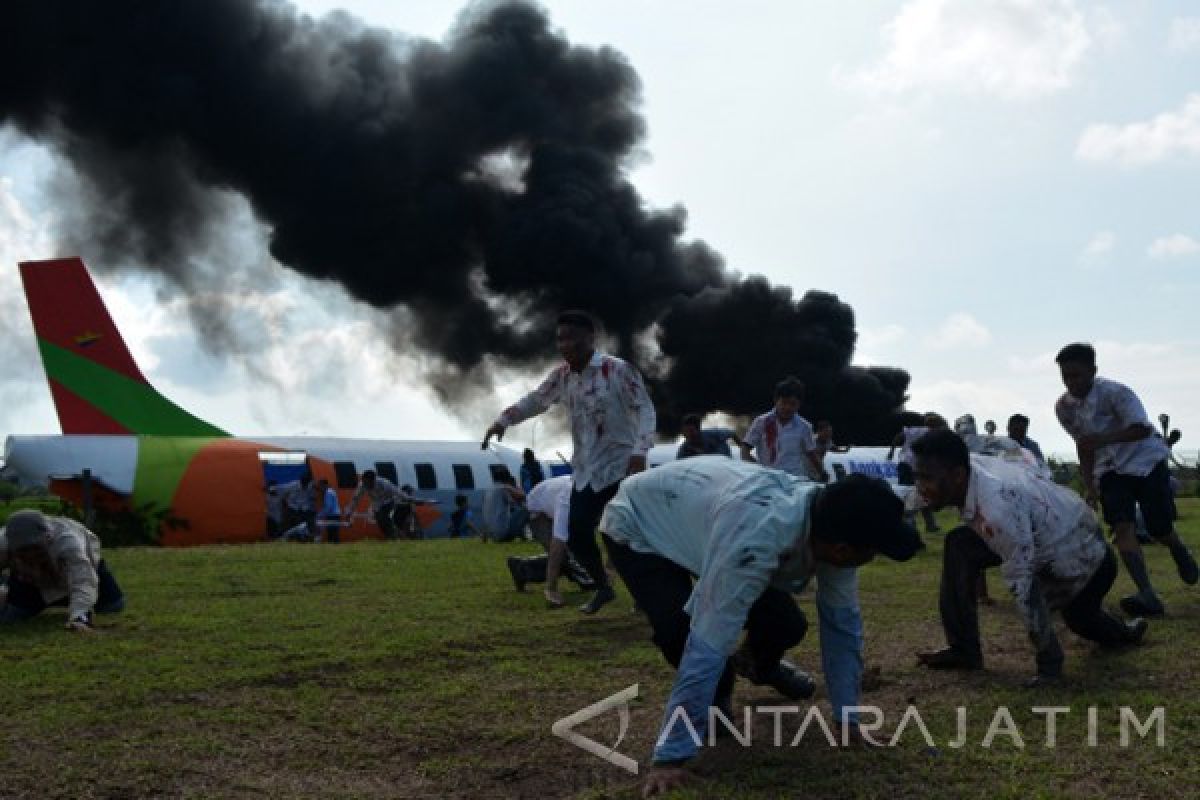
(386, 469)
(346, 474)
(499, 472)
(426, 477)
(463, 477)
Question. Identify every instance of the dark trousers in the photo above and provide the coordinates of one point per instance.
(383, 518)
(661, 588)
(965, 556)
(25, 599)
(587, 505)
(1085, 614)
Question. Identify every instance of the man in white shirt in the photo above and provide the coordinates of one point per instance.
(612, 428)
(549, 506)
(56, 561)
(782, 439)
(383, 497)
(1124, 464)
(708, 546)
(1049, 546)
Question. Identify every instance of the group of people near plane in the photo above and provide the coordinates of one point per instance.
(711, 546)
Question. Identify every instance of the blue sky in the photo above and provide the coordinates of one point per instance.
(982, 180)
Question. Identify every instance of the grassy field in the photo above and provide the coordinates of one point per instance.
(412, 669)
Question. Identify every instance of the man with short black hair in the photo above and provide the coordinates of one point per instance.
(698, 441)
(1018, 431)
(1048, 544)
(708, 546)
(781, 438)
(1123, 463)
(612, 429)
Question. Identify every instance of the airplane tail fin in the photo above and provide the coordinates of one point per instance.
(96, 385)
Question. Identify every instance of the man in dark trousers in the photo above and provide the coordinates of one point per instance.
(612, 428)
(711, 545)
(1048, 544)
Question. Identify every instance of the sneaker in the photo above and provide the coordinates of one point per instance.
(1189, 573)
(949, 658)
(553, 598)
(517, 570)
(1138, 606)
(603, 596)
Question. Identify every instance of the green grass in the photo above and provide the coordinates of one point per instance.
(412, 669)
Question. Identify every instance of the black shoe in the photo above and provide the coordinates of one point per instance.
(1137, 606)
(1189, 573)
(1135, 630)
(949, 658)
(517, 570)
(792, 682)
(603, 596)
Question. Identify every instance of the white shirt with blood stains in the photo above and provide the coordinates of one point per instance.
(1051, 543)
(1109, 407)
(782, 446)
(612, 418)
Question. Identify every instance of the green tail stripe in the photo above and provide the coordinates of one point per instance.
(162, 462)
(135, 405)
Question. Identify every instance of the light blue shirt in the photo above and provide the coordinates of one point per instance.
(739, 528)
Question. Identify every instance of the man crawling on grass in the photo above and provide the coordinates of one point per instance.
(55, 561)
(1048, 544)
(708, 546)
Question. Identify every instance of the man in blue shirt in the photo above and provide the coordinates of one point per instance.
(1018, 431)
(709, 545)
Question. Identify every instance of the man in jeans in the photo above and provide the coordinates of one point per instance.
(710, 545)
(1124, 464)
(1048, 544)
(612, 428)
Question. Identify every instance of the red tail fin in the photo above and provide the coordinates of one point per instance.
(96, 385)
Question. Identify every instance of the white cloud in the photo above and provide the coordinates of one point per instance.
(1172, 134)
(1099, 246)
(959, 331)
(1184, 35)
(1016, 49)
(1175, 246)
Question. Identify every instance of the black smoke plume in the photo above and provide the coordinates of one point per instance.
(479, 182)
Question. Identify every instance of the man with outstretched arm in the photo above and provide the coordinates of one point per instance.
(709, 545)
(1048, 544)
(612, 428)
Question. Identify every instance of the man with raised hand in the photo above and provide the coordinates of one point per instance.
(1048, 544)
(612, 428)
(709, 545)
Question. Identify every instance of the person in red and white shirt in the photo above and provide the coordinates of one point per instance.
(782, 439)
(1048, 544)
(612, 428)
